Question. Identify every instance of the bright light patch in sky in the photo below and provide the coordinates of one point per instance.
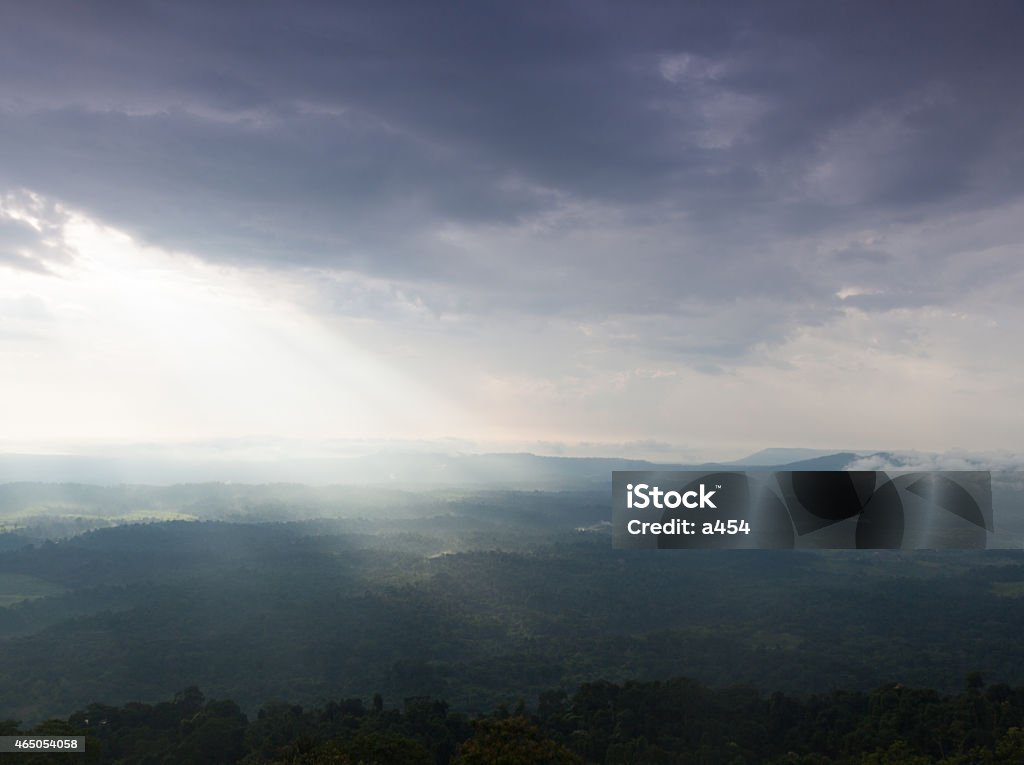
(130, 342)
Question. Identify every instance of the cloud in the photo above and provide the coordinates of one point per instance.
(30, 233)
(857, 253)
(561, 200)
(1006, 468)
(998, 461)
(316, 136)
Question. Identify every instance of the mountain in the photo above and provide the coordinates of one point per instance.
(784, 456)
(839, 461)
(395, 469)
(419, 470)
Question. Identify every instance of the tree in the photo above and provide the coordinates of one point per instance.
(512, 741)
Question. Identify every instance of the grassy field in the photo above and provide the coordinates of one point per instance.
(15, 588)
(1008, 589)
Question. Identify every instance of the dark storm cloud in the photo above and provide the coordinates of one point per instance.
(859, 254)
(716, 137)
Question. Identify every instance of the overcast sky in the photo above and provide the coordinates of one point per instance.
(649, 229)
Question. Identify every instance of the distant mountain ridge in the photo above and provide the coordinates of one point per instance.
(776, 456)
(515, 470)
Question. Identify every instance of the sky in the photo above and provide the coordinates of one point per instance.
(662, 230)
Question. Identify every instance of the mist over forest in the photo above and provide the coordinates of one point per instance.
(485, 598)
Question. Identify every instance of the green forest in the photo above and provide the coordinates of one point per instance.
(368, 626)
(676, 721)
